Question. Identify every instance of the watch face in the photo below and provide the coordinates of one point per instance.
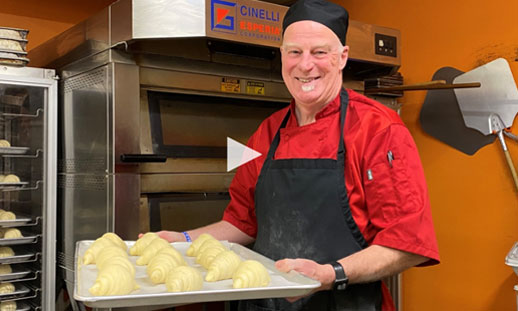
(341, 286)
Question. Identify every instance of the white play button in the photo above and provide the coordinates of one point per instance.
(238, 154)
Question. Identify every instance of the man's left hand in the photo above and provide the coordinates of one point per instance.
(325, 274)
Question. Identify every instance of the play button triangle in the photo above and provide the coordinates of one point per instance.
(238, 154)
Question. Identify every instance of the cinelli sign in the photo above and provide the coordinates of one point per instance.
(245, 21)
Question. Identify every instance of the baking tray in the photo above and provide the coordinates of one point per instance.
(15, 275)
(17, 52)
(281, 285)
(20, 290)
(13, 150)
(18, 33)
(18, 241)
(13, 184)
(22, 220)
(22, 256)
(20, 306)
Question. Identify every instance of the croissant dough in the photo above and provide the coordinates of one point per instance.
(5, 269)
(109, 253)
(151, 250)
(160, 266)
(223, 266)
(8, 306)
(4, 143)
(173, 252)
(116, 239)
(250, 273)
(118, 260)
(192, 251)
(6, 288)
(12, 233)
(11, 178)
(113, 279)
(142, 243)
(7, 215)
(206, 256)
(94, 249)
(6, 251)
(183, 279)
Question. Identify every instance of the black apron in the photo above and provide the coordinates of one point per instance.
(303, 211)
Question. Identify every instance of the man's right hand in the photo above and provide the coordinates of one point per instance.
(170, 236)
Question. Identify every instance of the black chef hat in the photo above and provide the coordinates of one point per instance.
(331, 15)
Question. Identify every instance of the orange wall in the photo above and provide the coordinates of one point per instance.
(474, 203)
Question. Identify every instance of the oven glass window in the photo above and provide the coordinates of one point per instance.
(198, 126)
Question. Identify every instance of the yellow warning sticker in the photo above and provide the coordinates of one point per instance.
(254, 87)
(230, 85)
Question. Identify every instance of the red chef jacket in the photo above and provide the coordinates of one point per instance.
(383, 174)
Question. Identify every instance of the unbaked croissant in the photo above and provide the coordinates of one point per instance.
(151, 250)
(5, 269)
(173, 252)
(113, 280)
(7, 216)
(8, 306)
(160, 266)
(223, 266)
(183, 279)
(142, 243)
(108, 253)
(206, 256)
(6, 288)
(118, 260)
(6, 251)
(250, 273)
(4, 143)
(192, 251)
(209, 243)
(12, 233)
(116, 239)
(11, 178)
(94, 249)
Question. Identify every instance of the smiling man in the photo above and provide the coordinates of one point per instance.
(339, 194)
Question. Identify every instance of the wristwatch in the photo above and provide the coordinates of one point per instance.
(341, 280)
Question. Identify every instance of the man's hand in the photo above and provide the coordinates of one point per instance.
(170, 236)
(325, 274)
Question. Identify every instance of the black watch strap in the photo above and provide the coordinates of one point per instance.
(341, 280)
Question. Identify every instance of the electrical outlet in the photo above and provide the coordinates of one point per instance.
(385, 45)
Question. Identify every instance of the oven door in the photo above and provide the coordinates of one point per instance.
(190, 130)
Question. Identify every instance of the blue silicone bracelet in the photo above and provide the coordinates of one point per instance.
(187, 236)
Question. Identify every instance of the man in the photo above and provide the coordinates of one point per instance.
(339, 193)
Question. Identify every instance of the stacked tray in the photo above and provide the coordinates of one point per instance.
(20, 290)
(13, 46)
(18, 272)
(21, 254)
(281, 285)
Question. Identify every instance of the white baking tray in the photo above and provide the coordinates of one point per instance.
(281, 285)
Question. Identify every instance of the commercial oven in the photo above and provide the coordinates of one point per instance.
(149, 92)
(28, 117)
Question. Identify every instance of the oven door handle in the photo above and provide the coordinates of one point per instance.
(143, 158)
